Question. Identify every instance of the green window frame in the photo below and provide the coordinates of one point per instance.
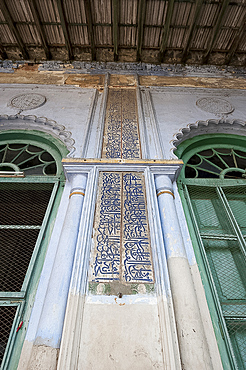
(30, 163)
(212, 187)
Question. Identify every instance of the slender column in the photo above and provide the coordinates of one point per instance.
(51, 321)
(71, 335)
(45, 327)
(192, 341)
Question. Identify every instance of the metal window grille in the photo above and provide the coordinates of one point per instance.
(219, 216)
(28, 158)
(23, 209)
(217, 162)
(7, 314)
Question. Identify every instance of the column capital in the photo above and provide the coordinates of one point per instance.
(163, 185)
(78, 182)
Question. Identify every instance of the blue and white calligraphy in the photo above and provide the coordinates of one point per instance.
(137, 264)
(108, 227)
(122, 246)
(121, 134)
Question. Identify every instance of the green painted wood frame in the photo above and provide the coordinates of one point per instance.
(185, 151)
(25, 298)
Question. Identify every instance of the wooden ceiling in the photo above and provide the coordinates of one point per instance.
(150, 31)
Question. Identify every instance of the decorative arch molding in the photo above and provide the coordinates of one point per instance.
(31, 122)
(211, 126)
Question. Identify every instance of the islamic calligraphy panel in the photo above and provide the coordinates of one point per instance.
(136, 259)
(121, 240)
(112, 131)
(106, 264)
(121, 133)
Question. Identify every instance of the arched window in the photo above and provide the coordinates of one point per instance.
(30, 182)
(212, 185)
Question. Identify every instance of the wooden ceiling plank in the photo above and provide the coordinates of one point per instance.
(65, 29)
(236, 41)
(141, 19)
(37, 21)
(88, 13)
(215, 31)
(116, 28)
(13, 29)
(165, 33)
(198, 8)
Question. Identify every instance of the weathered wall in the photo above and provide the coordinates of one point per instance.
(113, 327)
(176, 108)
(68, 106)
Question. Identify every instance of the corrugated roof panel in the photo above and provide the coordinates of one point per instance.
(101, 11)
(20, 11)
(2, 19)
(128, 11)
(75, 11)
(78, 35)
(155, 12)
(28, 34)
(181, 38)
(181, 14)
(173, 37)
(48, 10)
(242, 44)
(225, 39)
(151, 36)
(54, 35)
(103, 35)
(209, 14)
(6, 35)
(234, 15)
(128, 36)
(153, 24)
(200, 39)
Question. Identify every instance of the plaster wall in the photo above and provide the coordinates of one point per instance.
(172, 109)
(175, 108)
(68, 106)
(122, 334)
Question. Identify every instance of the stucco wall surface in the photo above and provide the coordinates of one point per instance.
(68, 106)
(176, 108)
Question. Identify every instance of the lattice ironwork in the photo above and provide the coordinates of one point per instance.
(217, 163)
(7, 314)
(27, 158)
(220, 213)
(237, 333)
(24, 206)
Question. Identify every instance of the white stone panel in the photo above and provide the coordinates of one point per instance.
(120, 336)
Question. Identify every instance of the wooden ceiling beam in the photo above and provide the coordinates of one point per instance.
(116, 28)
(13, 29)
(89, 19)
(165, 32)
(141, 19)
(65, 29)
(37, 21)
(198, 8)
(239, 35)
(215, 32)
